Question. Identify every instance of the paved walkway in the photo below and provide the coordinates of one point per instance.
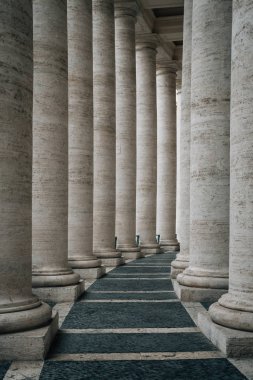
(129, 325)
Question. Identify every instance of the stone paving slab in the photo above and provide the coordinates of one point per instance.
(128, 296)
(104, 343)
(126, 315)
(208, 369)
(128, 269)
(115, 284)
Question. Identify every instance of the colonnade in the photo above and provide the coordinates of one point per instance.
(88, 153)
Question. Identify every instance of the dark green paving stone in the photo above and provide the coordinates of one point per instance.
(51, 303)
(126, 269)
(138, 275)
(128, 285)
(208, 369)
(128, 296)
(152, 265)
(105, 343)
(206, 304)
(127, 315)
(4, 366)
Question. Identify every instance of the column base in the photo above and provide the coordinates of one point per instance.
(29, 345)
(90, 273)
(150, 249)
(113, 261)
(233, 343)
(194, 294)
(169, 246)
(58, 294)
(179, 265)
(130, 252)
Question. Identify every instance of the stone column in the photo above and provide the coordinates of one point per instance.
(210, 124)
(80, 117)
(51, 272)
(182, 260)
(104, 133)
(146, 143)
(179, 115)
(235, 309)
(166, 154)
(19, 309)
(125, 18)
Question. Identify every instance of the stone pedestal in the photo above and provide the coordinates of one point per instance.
(50, 148)
(182, 259)
(20, 310)
(210, 125)
(125, 18)
(235, 309)
(104, 132)
(80, 143)
(146, 143)
(166, 154)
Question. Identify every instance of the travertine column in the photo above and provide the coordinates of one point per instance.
(209, 195)
(146, 143)
(179, 116)
(50, 148)
(235, 309)
(125, 18)
(182, 260)
(80, 116)
(166, 154)
(104, 133)
(19, 308)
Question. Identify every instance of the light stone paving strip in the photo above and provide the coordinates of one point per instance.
(133, 291)
(20, 370)
(171, 330)
(129, 301)
(137, 278)
(197, 355)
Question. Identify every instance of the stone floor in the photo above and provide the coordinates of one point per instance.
(129, 325)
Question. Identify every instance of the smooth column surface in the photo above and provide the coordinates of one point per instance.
(179, 115)
(146, 144)
(125, 18)
(235, 309)
(166, 155)
(182, 260)
(104, 132)
(50, 146)
(210, 124)
(80, 129)
(19, 308)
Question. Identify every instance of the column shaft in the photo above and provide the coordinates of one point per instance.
(19, 308)
(126, 128)
(182, 260)
(209, 195)
(80, 129)
(166, 155)
(104, 132)
(146, 144)
(235, 309)
(50, 146)
(179, 115)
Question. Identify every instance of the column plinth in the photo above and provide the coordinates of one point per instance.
(50, 152)
(182, 259)
(210, 125)
(166, 154)
(146, 143)
(125, 19)
(20, 310)
(80, 126)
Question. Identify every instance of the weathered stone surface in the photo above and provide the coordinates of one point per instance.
(166, 155)
(125, 18)
(19, 308)
(235, 308)
(64, 293)
(196, 294)
(80, 133)
(209, 182)
(29, 345)
(50, 146)
(146, 142)
(90, 272)
(182, 260)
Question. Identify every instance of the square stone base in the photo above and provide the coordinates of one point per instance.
(150, 251)
(29, 345)
(233, 343)
(90, 272)
(113, 261)
(190, 294)
(132, 255)
(69, 293)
